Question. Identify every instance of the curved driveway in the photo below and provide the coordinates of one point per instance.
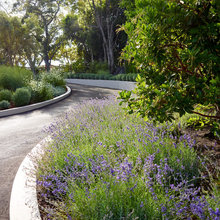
(20, 133)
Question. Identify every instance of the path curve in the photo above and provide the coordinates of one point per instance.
(20, 133)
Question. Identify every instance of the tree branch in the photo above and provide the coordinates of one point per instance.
(208, 116)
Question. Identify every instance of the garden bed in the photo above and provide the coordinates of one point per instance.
(103, 164)
(30, 107)
(18, 87)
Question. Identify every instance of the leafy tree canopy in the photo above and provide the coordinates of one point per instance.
(176, 47)
(47, 12)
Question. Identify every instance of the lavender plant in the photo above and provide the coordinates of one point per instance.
(102, 164)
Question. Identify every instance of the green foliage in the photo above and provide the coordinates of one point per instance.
(11, 39)
(4, 104)
(96, 41)
(216, 129)
(5, 95)
(21, 97)
(198, 122)
(175, 46)
(12, 78)
(98, 67)
(40, 91)
(103, 72)
(47, 19)
(79, 66)
(120, 77)
(122, 163)
(58, 90)
(54, 78)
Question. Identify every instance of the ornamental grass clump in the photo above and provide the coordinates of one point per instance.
(102, 164)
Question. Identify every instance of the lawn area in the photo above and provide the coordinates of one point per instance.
(104, 164)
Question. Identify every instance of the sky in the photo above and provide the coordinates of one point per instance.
(6, 5)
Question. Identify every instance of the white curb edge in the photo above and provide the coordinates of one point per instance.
(23, 201)
(112, 84)
(14, 111)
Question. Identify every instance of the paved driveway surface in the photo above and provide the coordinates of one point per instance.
(20, 133)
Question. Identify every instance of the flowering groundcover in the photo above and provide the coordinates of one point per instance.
(103, 164)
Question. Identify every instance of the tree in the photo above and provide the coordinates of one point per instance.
(85, 36)
(176, 47)
(98, 22)
(19, 41)
(47, 13)
(32, 32)
(106, 13)
(11, 36)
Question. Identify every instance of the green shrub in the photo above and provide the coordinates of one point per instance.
(21, 97)
(103, 72)
(67, 75)
(98, 67)
(122, 77)
(4, 104)
(40, 91)
(107, 77)
(79, 66)
(76, 76)
(54, 78)
(12, 78)
(58, 90)
(5, 94)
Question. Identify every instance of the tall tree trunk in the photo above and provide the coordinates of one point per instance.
(46, 47)
(110, 36)
(92, 56)
(33, 67)
(47, 62)
(106, 37)
(105, 53)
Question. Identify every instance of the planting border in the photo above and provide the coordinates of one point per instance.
(14, 111)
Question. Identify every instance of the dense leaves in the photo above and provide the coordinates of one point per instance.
(47, 13)
(175, 45)
(92, 26)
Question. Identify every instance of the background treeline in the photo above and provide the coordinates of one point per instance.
(81, 35)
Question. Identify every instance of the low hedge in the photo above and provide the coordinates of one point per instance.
(4, 104)
(5, 94)
(21, 97)
(40, 91)
(120, 77)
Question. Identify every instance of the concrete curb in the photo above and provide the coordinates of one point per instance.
(23, 201)
(14, 111)
(111, 84)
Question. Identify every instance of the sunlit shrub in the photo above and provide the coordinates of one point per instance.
(4, 104)
(21, 97)
(5, 94)
(58, 90)
(12, 78)
(54, 78)
(40, 91)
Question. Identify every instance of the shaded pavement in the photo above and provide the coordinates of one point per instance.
(20, 133)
